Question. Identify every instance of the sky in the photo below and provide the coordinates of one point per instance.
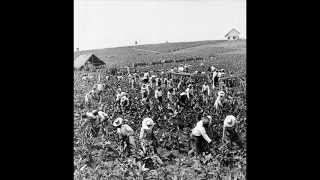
(110, 23)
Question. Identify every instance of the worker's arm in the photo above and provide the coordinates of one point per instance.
(141, 133)
(129, 131)
(204, 135)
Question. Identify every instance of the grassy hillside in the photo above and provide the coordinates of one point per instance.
(230, 53)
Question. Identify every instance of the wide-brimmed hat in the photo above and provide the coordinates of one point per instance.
(230, 121)
(90, 114)
(221, 93)
(117, 122)
(148, 122)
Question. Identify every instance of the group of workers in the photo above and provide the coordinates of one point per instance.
(199, 137)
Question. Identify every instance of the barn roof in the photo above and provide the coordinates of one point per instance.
(82, 59)
(232, 31)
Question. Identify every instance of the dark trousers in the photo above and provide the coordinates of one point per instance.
(199, 144)
(234, 137)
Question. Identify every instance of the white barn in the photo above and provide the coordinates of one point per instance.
(233, 34)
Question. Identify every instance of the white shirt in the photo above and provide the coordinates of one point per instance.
(99, 87)
(199, 130)
(188, 91)
(102, 114)
(123, 98)
(214, 74)
(157, 93)
(125, 130)
(146, 89)
(119, 96)
(217, 103)
(206, 88)
(169, 95)
(145, 127)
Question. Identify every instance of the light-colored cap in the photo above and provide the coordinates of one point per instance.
(230, 121)
(117, 122)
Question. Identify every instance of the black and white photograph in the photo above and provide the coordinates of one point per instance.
(160, 89)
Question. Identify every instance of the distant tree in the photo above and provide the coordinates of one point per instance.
(136, 43)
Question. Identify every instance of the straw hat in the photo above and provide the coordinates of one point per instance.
(230, 121)
(117, 122)
(221, 93)
(148, 122)
(90, 114)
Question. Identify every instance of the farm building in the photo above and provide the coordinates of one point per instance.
(87, 60)
(233, 34)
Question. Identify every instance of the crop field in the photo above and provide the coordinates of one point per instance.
(97, 150)
(122, 56)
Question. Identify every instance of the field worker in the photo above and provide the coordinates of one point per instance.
(129, 77)
(212, 68)
(169, 83)
(118, 95)
(215, 79)
(198, 111)
(144, 80)
(183, 99)
(180, 83)
(146, 74)
(169, 95)
(159, 82)
(180, 69)
(126, 135)
(100, 114)
(189, 91)
(144, 91)
(229, 130)
(93, 120)
(205, 92)
(218, 103)
(99, 88)
(158, 94)
(131, 80)
(147, 138)
(171, 110)
(199, 137)
(88, 97)
(124, 102)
